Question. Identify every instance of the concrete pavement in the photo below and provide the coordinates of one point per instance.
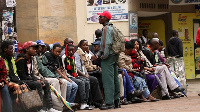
(190, 104)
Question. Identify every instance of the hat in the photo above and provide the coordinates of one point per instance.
(106, 14)
(40, 42)
(96, 43)
(56, 43)
(28, 44)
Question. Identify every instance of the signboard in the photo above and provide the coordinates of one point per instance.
(10, 3)
(183, 23)
(183, 2)
(117, 8)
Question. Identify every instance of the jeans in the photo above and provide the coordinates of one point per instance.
(128, 86)
(140, 84)
(7, 103)
(71, 91)
(83, 88)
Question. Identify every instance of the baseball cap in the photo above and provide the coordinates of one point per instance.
(96, 43)
(106, 14)
(28, 44)
(40, 42)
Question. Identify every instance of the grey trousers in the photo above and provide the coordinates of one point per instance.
(166, 79)
(61, 88)
(121, 85)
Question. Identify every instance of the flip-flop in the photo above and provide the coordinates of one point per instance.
(154, 100)
(146, 100)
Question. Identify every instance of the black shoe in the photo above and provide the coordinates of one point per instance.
(124, 102)
(97, 105)
(106, 107)
(176, 96)
(136, 100)
(178, 89)
(117, 103)
(166, 97)
(199, 94)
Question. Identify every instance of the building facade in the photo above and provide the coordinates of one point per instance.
(54, 20)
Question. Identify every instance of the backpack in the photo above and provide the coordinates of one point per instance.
(118, 42)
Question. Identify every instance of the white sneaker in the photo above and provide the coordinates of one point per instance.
(42, 110)
(53, 110)
(83, 105)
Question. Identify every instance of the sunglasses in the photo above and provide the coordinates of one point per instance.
(101, 16)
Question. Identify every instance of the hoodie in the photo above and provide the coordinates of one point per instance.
(25, 72)
(175, 47)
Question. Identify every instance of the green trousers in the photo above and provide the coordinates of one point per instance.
(110, 79)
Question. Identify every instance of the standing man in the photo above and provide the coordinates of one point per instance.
(143, 39)
(109, 63)
(175, 45)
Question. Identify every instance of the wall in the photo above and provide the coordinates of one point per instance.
(26, 20)
(57, 20)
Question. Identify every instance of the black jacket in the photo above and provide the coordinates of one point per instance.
(53, 62)
(22, 69)
(175, 47)
(150, 56)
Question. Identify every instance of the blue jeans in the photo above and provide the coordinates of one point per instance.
(7, 103)
(140, 84)
(71, 91)
(128, 86)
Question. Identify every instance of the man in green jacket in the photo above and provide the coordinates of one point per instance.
(109, 63)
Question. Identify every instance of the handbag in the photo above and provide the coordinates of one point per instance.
(30, 100)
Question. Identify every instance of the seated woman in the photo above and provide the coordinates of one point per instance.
(125, 62)
(93, 70)
(141, 63)
(150, 59)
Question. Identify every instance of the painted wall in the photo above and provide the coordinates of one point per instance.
(26, 20)
(57, 20)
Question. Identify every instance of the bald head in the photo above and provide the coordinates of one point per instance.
(67, 41)
(155, 35)
(154, 43)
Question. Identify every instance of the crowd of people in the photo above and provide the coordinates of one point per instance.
(93, 78)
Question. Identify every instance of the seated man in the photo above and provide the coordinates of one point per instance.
(24, 69)
(43, 73)
(95, 93)
(14, 82)
(96, 49)
(83, 83)
(5, 96)
(54, 63)
(165, 76)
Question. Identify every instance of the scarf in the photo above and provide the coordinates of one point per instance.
(70, 63)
